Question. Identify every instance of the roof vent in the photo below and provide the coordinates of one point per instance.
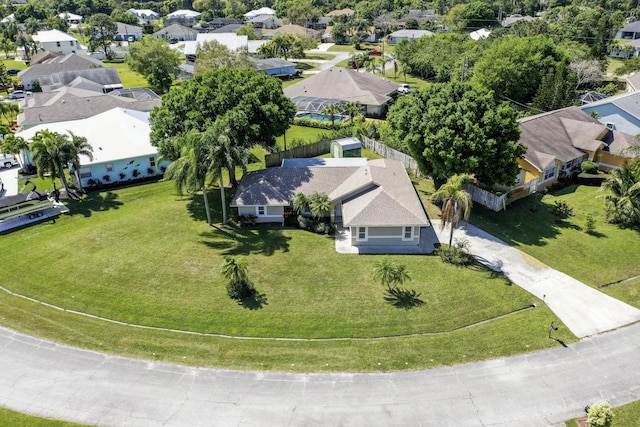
(611, 126)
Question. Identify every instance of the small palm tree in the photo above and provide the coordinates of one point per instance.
(390, 274)
(456, 202)
(319, 205)
(234, 269)
(76, 147)
(331, 110)
(300, 203)
(352, 108)
(622, 194)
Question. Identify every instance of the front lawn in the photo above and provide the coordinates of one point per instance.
(130, 79)
(145, 256)
(608, 255)
(16, 419)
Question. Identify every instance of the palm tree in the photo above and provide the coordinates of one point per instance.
(319, 204)
(49, 155)
(331, 110)
(76, 147)
(17, 145)
(352, 108)
(456, 202)
(300, 203)
(234, 270)
(9, 110)
(622, 196)
(390, 274)
(384, 60)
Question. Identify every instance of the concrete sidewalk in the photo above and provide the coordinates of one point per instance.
(584, 310)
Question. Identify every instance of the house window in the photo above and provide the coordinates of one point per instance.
(152, 161)
(71, 43)
(85, 173)
(109, 167)
(261, 210)
(362, 233)
(408, 233)
(549, 172)
(58, 44)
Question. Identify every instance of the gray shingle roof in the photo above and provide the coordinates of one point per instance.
(59, 64)
(270, 63)
(348, 85)
(379, 194)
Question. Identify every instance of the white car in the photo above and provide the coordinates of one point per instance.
(404, 89)
(8, 160)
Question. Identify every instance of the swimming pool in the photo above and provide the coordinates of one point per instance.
(320, 117)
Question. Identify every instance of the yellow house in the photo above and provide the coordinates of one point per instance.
(559, 141)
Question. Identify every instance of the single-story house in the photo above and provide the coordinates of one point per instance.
(263, 11)
(184, 17)
(176, 32)
(559, 141)
(127, 32)
(274, 66)
(120, 139)
(371, 35)
(296, 30)
(619, 112)
(71, 18)
(57, 41)
(231, 41)
(510, 20)
(265, 21)
(410, 35)
(218, 23)
(343, 85)
(341, 12)
(72, 103)
(145, 16)
(374, 200)
(629, 31)
(59, 71)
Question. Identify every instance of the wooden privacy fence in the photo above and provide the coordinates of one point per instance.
(302, 151)
(488, 199)
(389, 153)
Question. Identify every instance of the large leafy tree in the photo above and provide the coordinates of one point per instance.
(456, 128)
(286, 46)
(622, 195)
(514, 67)
(101, 32)
(153, 58)
(251, 103)
(456, 202)
(213, 55)
(557, 88)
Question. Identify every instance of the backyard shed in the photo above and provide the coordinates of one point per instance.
(346, 147)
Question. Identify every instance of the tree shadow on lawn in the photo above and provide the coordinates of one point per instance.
(403, 298)
(254, 302)
(247, 241)
(94, 202)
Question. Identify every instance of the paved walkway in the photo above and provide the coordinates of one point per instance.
(538, 389)
(9, 178)
(584, 310)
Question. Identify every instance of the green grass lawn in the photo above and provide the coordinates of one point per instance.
(146, 256)
(130, 79)
(609, 255)
(15, 419)
(303, 134)
(614, 64)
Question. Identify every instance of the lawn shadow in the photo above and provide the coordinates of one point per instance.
(494, 270)
(596, 234)
(247, 241)
(403, 298)
(254, 302)
(94, 202)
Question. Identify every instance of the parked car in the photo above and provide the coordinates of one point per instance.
(8, 160)
(13, 71)
(375, 52)
(404, 89)
(19, 94)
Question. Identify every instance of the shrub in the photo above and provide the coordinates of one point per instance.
(240, 290)
(315, 226)
(589, 224)
(458, 254)
(600, 415)
(589, 167)
(561, 209)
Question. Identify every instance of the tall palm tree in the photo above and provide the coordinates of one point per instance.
(352, 108)
(622, 194)
(49, 155)
(331, 110)
(456, 202)
(77, 146)
(390, 274)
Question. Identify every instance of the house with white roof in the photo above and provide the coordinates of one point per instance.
(373, 200)
(145, 16)
(57, 41)
(71, 18)
(410, 35)
(121, 143)
(260, 12)
(185, 17)
(231, 41)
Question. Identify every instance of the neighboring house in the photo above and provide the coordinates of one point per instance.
(418, 15)
(265, 21)
(188, 18)
(145, 16)
(410, 35)
(482, 33)
(122, 149)
(231, 41)
(72, 19)
(43, 56)
(371, 35)
(619, 112)
(340, 84)
(510, 20)
(296, 30)
(340, 12)
(59, 71)
(559, 141)
(629, 31)
(71, 103)
(263, 11)
(56, 41)
(177, 32)
(128, 32)
(274, 66)
(218, 23)
(374, 200)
